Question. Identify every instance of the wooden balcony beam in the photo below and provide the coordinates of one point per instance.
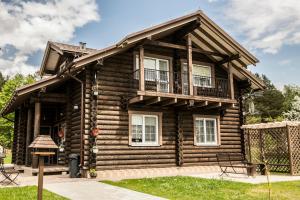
(201, 104)
(181, 103)
(153, 101)
(142, 69)
(230, 81)
(190, 63)
(136, 99)
(214, 105)
(169, 102)
(228, 59)
(180, 47)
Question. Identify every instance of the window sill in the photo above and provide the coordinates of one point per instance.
(207, 145)
(145, 145)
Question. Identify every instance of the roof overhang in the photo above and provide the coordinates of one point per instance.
(25, 92)
(208, 37)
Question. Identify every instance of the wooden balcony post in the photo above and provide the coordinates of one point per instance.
(36, 129)
(230, 81)
(142, 69)
(190, 64)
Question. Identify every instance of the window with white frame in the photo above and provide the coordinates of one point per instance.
(144, 129)
(202, 76)
(157, 70)
(206, 131)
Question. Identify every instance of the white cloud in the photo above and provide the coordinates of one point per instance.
(28, 25)
(267, 24)
(285, 62)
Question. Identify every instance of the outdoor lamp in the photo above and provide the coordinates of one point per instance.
(76, 107)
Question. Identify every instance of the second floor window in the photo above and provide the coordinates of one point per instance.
(202, 76)
(156, 70)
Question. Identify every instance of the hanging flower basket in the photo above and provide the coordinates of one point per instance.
(61, 134)
(95, 132)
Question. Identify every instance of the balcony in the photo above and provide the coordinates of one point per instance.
(164, 88)
(159, 81)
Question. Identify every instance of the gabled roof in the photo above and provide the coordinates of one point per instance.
(208, 36)
(54, 51)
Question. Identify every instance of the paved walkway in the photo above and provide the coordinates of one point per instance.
(92, 190)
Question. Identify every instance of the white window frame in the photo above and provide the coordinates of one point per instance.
(204, 66)
(156, 69)
(211, 74)
(144, 143)
(216, 130)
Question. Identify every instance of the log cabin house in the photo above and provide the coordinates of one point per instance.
(169, 95)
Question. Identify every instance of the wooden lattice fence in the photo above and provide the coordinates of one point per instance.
(277, 144)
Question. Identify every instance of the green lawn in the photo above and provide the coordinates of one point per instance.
(26, 193)
(181, 187)
(7, 159)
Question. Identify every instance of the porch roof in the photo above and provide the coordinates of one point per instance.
(207, 37)
(23, 93)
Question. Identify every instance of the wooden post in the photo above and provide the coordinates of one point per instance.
(290, 149)
(28, 135)
(36, 130)
(41, 176)
(190, 64)
(37, 119)
(142, 69)
(230, 81)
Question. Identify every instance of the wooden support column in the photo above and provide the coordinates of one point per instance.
(230, 81)
(190, 63)
(36, 129)
(37, 119)
(28, 135)
(142, 69)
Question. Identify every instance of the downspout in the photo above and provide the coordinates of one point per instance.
(81, 116)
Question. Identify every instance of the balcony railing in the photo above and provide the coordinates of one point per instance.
(159, 81)
(155, 80)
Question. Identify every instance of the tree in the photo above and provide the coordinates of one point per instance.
(2, 80)
(268, 105)
(294, 113)
(6, 126)
(290, 92)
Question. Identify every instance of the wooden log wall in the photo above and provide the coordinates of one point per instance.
(68, 133)
(74, 128)
(87, 121)
(112, 119)
(15, 136)
(20, 137)
(230, 134)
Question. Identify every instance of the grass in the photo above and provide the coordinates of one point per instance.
(7, 159)
(26, 193)
(190, 188)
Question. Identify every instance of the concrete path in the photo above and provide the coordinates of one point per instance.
(92, 190)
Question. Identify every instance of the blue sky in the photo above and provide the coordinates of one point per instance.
(273, 39)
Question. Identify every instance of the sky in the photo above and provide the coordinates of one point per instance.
(270, 29)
